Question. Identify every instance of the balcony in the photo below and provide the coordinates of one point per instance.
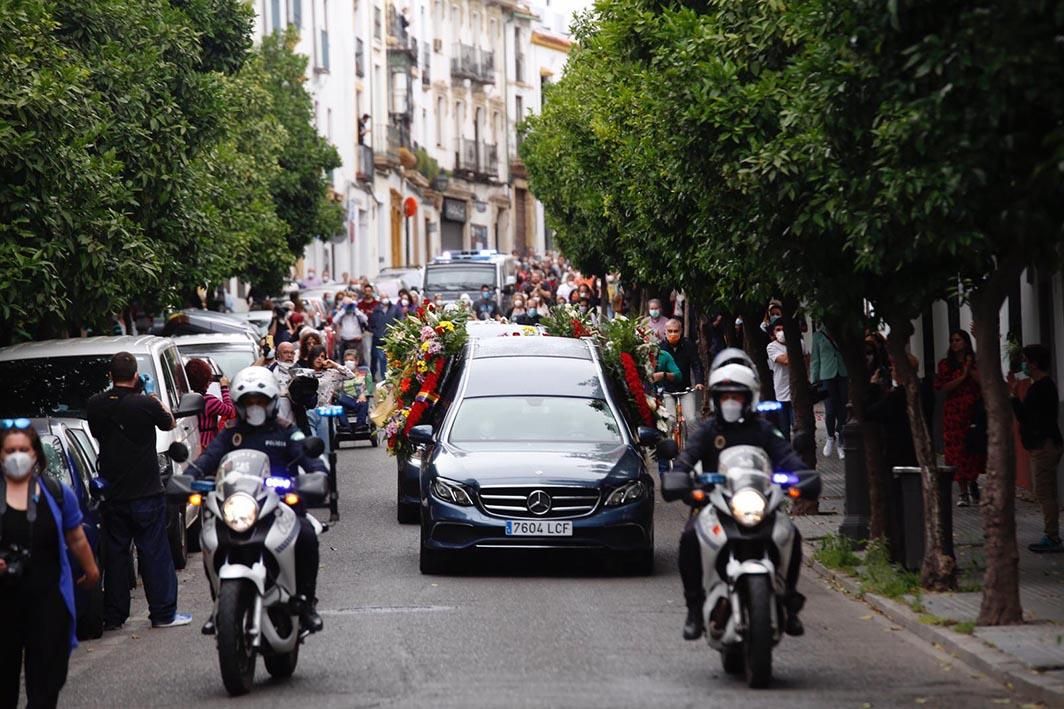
(489, 159)
(364, 172)
(477, 65)
(399, 38)
(398, 134)
(465, 159)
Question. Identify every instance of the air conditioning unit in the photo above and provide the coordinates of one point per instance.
(437, 45)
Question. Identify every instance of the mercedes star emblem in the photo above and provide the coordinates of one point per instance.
(538, 502)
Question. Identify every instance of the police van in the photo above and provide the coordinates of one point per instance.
(454, 273)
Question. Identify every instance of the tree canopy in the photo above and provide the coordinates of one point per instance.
(147, 149)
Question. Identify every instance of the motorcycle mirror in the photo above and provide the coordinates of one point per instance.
(667, 449)
(313, 446)
(178, 452)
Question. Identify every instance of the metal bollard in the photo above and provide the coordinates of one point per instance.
(855, 523)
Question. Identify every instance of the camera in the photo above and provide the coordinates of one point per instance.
(16, 558)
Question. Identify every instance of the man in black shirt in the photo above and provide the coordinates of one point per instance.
(1040, 434)
(123, 419)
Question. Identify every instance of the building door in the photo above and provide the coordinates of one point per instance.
(397, 229)
(521, 220)
(451, 235)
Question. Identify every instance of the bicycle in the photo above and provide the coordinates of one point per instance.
(679, 426)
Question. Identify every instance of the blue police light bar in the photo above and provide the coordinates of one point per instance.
(202, 486)
(711, 479)
(767, 407)
(279, 483)
(785, 478)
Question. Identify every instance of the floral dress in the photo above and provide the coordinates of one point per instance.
(957, 413)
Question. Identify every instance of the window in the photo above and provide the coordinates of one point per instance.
(360, 53)
(459, 119)
(295, 10)
(328, 123)
(519, 108)
(543, 419)
(475, 24)
(275, 15)
(439, 122)
(378, 23)
(519, 57)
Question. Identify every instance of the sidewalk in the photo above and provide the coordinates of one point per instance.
(1031, 655)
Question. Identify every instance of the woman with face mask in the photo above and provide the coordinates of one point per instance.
(39, 522)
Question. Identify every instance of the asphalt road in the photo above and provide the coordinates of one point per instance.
(526, 632)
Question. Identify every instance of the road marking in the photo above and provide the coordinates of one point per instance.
(378, 610)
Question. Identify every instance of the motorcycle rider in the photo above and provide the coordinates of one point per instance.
(258, 427)
(734, 388)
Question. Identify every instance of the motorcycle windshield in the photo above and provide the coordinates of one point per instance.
(745, 466)
(243, 471)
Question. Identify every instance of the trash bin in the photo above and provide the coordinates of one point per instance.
(907, 523)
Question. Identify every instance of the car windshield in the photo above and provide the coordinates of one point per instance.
(535, 419)
(58, 386)
(464, 278)
(231, 359)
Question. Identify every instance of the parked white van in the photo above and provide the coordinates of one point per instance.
(57, 377)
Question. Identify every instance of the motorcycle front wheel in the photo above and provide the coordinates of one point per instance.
(282, 666)
(236, 656)
(757, 636)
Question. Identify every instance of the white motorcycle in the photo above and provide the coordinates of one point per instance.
(248, 541)
(746, 541)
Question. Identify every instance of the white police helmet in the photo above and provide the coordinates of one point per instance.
(255, 380)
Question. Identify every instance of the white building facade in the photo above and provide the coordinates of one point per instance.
(422, 101)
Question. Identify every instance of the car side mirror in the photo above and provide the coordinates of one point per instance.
(313, 488)
(178, 452)
(421, 434)
(191, 404)
(313, 446)
(648, 436)
(667, 449)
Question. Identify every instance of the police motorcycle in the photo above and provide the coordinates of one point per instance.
(745, 538)
(248, 542)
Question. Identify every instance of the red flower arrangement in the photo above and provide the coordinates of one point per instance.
(635, 388)
(579, 330)
(426, 397)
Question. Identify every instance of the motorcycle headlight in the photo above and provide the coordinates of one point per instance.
(451, 492)
(629, 492)
(748, 507)
(240, 511)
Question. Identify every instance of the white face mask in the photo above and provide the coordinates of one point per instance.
(780, 337)
(731, 411)
(18, 465)
(255, 415)
(350, 364)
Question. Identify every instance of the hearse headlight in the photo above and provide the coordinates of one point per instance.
(629, 492)
(748, 507)
(452, 492)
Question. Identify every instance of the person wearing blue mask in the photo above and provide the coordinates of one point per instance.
(531, 315)
(486, 308)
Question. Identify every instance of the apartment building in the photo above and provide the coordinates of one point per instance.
(422, 100)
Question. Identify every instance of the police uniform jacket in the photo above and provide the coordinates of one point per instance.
(278, 439)
(707, 441)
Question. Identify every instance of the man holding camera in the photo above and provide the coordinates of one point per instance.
(123, 419)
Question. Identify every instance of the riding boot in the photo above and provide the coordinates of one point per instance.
(693, 627)
(793, 604)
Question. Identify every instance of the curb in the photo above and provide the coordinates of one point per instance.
(994, 663)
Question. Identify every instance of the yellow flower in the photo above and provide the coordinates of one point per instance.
(422, 367)
(425, 345)
(447, 325)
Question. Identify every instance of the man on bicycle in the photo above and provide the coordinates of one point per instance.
(685, 353)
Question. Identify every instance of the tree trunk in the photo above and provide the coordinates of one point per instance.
(851, 345)
(1001, 588)
(939, 571)
(755, 342)
(703, 330)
